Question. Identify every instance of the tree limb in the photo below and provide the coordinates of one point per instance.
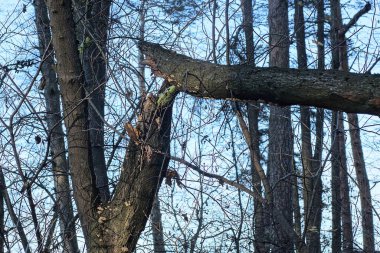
(349, 92)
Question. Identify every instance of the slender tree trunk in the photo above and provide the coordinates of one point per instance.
(363, 184)
(15, 219)
(347, 235)
(280, 155)
(253, 109)
(157, 229)
(359, 164)
(343, 223)
(296, 205)
(56, 136)
(336, 228)
(312, 191)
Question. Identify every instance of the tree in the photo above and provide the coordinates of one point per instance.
(114, 221)
(280, 153)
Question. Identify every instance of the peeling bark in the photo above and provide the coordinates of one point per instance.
(144, 167)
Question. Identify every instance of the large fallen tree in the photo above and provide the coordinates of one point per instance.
(337, 90)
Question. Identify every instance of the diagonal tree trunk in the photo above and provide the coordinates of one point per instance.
(363, 184)
(340, 43)
(359, 164)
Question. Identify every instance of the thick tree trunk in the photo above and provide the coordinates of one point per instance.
(280, 153)
(145, 165)
(326, 89)
(75, 109)
(92, 29)
(115, 226)
(56, 136)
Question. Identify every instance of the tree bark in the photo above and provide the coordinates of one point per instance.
(157, 229)
(363, 184)
(347, 236)
(280, 150)
(92, 30)
(56, 135)
(336, 228)
(312, 185)
(145, 165)
(75, 108)
(253, 109)
(326, 89)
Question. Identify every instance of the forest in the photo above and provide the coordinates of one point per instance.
(190, 126)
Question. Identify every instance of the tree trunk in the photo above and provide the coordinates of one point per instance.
(326, 89)
(280, 153)
(75, 108)
(157, 229)
(335, 186)
(253, 126)
(92, 28)
(359, 164)
(312, 184)
(363, 184)
(142, 173)
(56, 135)
(347, 235)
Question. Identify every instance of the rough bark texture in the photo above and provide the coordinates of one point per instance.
(326, 89)
(336, 229)
(280, 150)
(145, 164)
(56, 135)
(363, 184)
(114, 226)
